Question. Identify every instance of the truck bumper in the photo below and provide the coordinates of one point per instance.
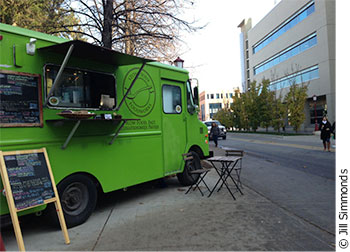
(211, 154)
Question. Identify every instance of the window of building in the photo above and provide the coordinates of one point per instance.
(222, 96)
(215, 105)
(211, 96)
(231, 95)
(80, 88)
(291, 51)
(214, 108)
(284, 27)
(217, 96)
(317, 113)
(202, 112)
(226, 95)
(208, 96)
(172, 99)
(303, 76)
(316, 117)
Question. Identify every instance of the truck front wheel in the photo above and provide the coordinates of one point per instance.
(185, 178)
(78, 196)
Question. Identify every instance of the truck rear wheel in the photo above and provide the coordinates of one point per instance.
(78, 196)
(185, 178)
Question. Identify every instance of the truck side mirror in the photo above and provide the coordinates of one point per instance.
(195, 91)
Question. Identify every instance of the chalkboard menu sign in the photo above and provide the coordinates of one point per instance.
(20, 99)
(28, 182)
(29, 179)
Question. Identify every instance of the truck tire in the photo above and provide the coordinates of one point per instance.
(78, 196)
(185, 178)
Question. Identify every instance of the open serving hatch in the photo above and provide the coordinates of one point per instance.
(86, 51)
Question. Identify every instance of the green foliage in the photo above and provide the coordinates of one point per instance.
(251, 103)
(239, 115)
(225, 117)
(46, 16)
(261, 107)
(295, 100)
(265, 102)
(278, 111)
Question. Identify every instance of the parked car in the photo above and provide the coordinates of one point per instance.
(221, 127)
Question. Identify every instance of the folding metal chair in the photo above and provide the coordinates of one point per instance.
(202, 172)
(237, 153)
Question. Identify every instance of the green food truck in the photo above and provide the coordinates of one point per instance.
(108, 120)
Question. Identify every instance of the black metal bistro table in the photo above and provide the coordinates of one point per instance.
(224, 171)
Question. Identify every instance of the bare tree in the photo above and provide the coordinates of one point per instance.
(139, 27)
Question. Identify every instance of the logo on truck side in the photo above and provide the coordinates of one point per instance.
(142, 96)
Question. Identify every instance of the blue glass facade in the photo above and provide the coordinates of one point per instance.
(295, 19)
(287, 53)
(303, 76)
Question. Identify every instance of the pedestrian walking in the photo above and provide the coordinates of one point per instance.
(326, 130)
(214, 133)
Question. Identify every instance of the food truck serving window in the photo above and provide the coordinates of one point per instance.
(80, 89)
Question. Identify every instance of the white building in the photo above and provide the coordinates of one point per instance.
(211, 102)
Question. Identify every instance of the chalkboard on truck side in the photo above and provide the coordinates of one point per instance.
(28, 182)
(20, 99)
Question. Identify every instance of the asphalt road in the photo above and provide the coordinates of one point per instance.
(300, 179)
(304, 153)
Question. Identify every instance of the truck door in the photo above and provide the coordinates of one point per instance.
(174, 126)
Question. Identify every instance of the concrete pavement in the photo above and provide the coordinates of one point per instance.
(147, 217)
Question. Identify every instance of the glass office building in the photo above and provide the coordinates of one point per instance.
(294, 44)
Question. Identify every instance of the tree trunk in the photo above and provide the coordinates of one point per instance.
(107, 23)
(129, 27)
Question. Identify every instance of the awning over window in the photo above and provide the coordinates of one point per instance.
(87, 51)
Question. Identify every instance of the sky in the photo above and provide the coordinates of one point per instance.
(212, 55)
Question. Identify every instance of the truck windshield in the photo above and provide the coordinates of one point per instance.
(80, 89)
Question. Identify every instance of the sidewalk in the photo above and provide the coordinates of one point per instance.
(150, 218)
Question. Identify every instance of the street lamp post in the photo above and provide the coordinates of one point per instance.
(314, 98)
